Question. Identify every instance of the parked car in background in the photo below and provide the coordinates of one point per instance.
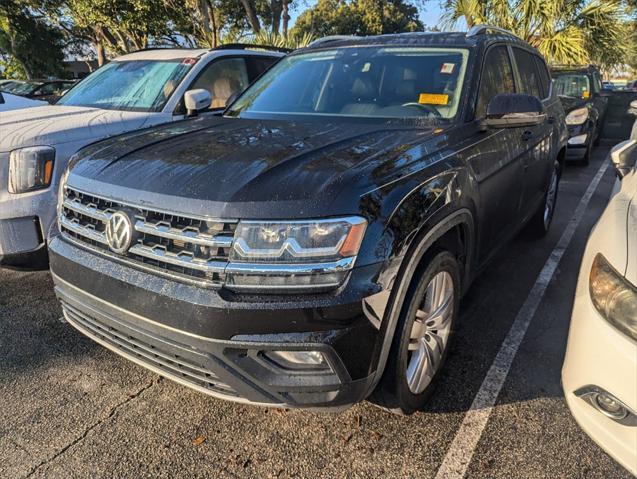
(131, 92)
(609, 85)
(310, 247)
(12, 102)
(6, 85)
(600, 368)
(632, 85)
(585, 103)
(46, 90)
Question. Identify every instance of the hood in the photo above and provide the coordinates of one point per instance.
(53, 124)
(571, 103)
(14, 102)
(225, 167)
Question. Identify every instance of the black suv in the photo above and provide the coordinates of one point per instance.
(585, 102)
(310, 247)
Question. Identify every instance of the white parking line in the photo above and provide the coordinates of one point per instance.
(458, 457)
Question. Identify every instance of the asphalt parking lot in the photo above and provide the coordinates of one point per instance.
(70, 408)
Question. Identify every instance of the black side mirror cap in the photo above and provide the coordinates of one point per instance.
(514, 110)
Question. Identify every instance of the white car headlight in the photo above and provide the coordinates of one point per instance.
(30, 168)
(614, 297)
(577, 117)
(308, 254)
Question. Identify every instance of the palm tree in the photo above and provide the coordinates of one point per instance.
(564, 31)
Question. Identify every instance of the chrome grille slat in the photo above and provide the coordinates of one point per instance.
(174, 259)
(78, 229)
(180, 235)
(87, 210)
(188, 248)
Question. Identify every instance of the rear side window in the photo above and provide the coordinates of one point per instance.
(529, 78)
(497, 77)
(258, 65)
(545, 77)
(223, 78)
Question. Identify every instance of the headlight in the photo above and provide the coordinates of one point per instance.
(30, 168)
(614, 297)
(61, 192)
(577, 117)
(301, 255)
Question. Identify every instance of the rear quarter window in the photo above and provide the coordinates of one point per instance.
(545, 77)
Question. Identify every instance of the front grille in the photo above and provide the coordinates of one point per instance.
(172, 365)
(190, 248)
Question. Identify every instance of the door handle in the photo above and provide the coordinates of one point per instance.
(527, 135)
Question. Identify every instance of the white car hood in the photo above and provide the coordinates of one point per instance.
(53, 125)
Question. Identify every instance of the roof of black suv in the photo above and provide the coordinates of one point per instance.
(575, 68)
(479, 36)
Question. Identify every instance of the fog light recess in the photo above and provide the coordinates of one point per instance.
(298, 359)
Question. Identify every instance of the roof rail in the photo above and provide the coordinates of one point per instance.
(483, 29)
(250, 46)
(332, 38)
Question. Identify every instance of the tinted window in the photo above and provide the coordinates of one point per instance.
(529, 81)
(361, 82)
(545, 77)
(258, 65)
(222, 78)
(497, 77)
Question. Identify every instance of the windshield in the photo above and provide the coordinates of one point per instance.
(572, 84)
(362, 82)
(135, 85)
(23, 88)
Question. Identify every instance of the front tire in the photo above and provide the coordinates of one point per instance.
(422, 337)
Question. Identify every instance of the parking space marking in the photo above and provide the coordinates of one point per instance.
(460, 453)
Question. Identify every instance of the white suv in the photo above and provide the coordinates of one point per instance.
(134, 91)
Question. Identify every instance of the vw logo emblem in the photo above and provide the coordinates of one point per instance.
(119, 232)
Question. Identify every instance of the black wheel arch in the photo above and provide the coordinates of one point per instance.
(455, 232)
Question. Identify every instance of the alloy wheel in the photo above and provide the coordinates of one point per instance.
(551, 197)
(430, 332)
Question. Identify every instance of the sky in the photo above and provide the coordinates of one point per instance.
(430, 15)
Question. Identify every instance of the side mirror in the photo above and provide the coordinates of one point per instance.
(197, 101)
(513, 110)
(624, 157)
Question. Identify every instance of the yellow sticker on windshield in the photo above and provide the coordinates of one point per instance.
(586, 95)
(433, 99)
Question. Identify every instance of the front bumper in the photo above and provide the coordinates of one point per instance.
(598, 355)
(579, 140)
(25, 221)
(214, 341)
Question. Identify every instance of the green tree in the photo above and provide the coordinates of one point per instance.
(565, 31)
(29, 44)
(117, 26)
(358, 17)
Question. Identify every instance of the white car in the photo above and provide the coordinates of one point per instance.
(10, 102)
(135, 91)
(599, 375)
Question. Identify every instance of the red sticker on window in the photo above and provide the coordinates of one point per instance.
(189, 61)
(448, 68)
